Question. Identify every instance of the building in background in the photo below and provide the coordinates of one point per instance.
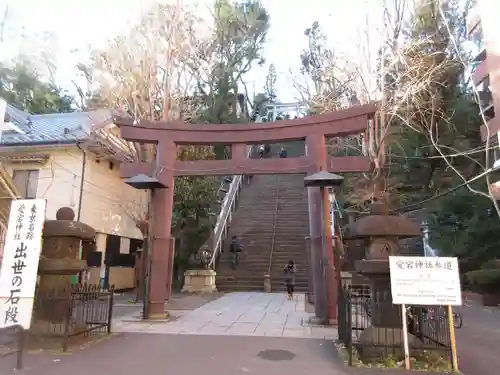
(483, 30)
(72, 160)
(484, 33)
(8, 190)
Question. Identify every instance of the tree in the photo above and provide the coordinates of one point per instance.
(426, 138)
(465, 225)
(270, 88)
(21, 86)
(328, 72)
(166, 67)
(430, 107)
(222, 61)
(431, 133)
(144, 74)
(329, 84)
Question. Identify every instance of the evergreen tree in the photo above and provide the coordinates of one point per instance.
(435, 135)
(22, 87)
(270, 88)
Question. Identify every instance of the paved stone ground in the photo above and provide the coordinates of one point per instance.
(191, 354)
(243, 313)
(124, 303)
(214, 339)
(478, 341)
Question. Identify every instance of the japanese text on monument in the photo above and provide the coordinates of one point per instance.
(20, 264)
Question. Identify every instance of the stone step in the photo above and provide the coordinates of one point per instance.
(256, 281)
(258, 221)
(248, 272)
(257, 287)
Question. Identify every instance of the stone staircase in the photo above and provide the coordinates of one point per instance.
(291, 230)
(272, 223)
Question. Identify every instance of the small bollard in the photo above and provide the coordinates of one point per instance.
(267, 283)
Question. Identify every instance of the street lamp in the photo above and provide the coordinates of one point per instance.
(144, 182)
(327, 182)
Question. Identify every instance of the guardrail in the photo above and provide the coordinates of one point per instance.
(225, 215)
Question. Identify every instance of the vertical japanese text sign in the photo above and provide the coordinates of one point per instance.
(18, 275)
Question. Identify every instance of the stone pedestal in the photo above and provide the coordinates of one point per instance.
(267, 283)
(199, 281)
(381, 232)
(59, 262)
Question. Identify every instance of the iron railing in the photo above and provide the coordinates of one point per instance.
(228, 205)
(275, 221)
(65, 313)
(13, 342)
(358, 309)
(81, 310)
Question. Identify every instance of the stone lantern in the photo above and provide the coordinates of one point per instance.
(381, 232)
(60, 261)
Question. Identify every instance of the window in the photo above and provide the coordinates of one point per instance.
(26, 181)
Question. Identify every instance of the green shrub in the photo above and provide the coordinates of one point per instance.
(492, 264)
(484, 277)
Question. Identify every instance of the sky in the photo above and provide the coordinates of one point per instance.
(67, 28)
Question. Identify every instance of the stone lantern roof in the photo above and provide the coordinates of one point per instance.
(380, 224)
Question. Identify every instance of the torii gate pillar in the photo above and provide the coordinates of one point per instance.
(163, 244)
(167, 135)
(325, 284)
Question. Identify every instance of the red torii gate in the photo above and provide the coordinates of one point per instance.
(169, 134)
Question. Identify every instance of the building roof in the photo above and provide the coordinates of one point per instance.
(52, 128)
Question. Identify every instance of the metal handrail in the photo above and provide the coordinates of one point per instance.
(275, 219)
(225, 215)
(227, 206)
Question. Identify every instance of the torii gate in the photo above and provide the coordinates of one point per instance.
(168, 135)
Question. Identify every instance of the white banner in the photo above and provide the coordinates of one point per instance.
(425, 281)
(18, 275)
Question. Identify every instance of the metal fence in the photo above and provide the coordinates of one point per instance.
(361, 308)
(66, 313)
(81, 310)
(12, 343)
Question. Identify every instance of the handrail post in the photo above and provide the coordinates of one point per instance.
(225, 215)
(275, 219)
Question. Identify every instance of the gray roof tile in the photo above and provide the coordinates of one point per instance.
(50, 128)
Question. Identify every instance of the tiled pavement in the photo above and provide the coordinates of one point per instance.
(240, 314)
(189, 349)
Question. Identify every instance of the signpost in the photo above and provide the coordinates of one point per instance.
(18, 274)
(426, 281)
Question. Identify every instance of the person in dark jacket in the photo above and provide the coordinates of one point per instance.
(235, 249)
(290, 271)
(261, 151)
(283, 153)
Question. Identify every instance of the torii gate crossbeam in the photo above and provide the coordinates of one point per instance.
(168, 135)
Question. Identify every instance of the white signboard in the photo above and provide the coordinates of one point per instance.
(425, 281)
(18, 275)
